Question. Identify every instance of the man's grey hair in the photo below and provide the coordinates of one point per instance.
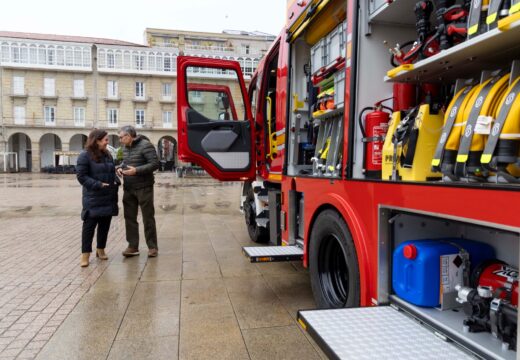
(130, 130)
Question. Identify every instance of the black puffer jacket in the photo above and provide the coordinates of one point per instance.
(141, 155)
(97, 200)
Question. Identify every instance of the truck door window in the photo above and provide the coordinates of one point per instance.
(215, 93)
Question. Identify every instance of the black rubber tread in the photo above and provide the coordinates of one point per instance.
(335, 281)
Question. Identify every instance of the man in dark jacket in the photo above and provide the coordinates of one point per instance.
(139, 162)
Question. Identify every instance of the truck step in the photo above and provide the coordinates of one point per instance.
(374, 333)
(273, 253)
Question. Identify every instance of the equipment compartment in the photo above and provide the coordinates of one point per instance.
(433, 62)
(456, 317)
(317, 91)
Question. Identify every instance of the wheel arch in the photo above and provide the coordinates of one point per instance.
(359, 237)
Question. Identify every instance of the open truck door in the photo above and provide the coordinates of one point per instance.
(215, 125)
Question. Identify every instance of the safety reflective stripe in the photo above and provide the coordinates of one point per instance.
(509, 136)
(448, 126)
(514, 8)
(494, 6)
(467, 136)
(474, 17)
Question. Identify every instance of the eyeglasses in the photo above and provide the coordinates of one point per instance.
(122, 136)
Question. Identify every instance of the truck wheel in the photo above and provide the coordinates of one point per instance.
(333, 263)
(257, 233)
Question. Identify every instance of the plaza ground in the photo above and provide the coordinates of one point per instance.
(199, 299)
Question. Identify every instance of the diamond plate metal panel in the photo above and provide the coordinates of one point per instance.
(378, 333)
(273, 250)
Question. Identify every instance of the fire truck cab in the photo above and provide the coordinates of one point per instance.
(379, 144)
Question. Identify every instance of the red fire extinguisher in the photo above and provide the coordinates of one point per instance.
(501, 278)
(374, 130)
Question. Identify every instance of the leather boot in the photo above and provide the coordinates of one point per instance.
(84, 259)
(100, 253)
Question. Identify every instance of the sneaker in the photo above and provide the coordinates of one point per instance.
(130, 252)
(153, 252)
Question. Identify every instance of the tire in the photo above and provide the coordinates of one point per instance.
(333, 263)
(257, 233)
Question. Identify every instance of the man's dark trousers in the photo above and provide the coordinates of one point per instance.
(132, 200)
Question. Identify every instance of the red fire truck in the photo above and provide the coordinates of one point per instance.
(379, 143)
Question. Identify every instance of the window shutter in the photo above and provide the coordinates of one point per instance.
(19, 85)
(79, 88)
(48, 89)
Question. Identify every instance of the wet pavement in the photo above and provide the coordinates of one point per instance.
(199, 299)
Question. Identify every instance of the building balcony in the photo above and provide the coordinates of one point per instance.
(49, 96)
(23, 95)
(127, 60)
(79, 98)
(142, 99)
(46, 55)
(41, 123)
(167, 100)
(228, 52)
(110, 98)
(196, 100)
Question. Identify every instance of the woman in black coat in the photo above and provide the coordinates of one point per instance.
(95, 170)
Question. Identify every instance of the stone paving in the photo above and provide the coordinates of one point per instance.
(199, 299)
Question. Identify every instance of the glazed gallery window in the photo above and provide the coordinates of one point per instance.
(112, 91)
(49, 115)
(112, 117)
(138, 62)
(18, 85)
(167, 64)
(139, 118)
(139, 90)
(111, 60)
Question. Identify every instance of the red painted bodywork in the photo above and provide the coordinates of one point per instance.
(272, 166)
(185, 153)
(359, 201)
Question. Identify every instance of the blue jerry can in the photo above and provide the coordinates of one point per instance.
(416, 268)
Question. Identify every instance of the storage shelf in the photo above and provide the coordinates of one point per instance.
(397, 12)
(492, 50)
(328, 114)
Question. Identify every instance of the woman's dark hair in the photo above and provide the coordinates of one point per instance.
(92, 146)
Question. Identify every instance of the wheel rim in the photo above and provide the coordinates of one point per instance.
(333, 272)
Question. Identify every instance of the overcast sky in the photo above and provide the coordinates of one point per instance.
(127, 19)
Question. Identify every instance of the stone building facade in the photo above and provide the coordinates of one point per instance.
(245, 47)
(55, 89)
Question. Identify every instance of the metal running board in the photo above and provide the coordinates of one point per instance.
(375, 333)
(273, 253)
